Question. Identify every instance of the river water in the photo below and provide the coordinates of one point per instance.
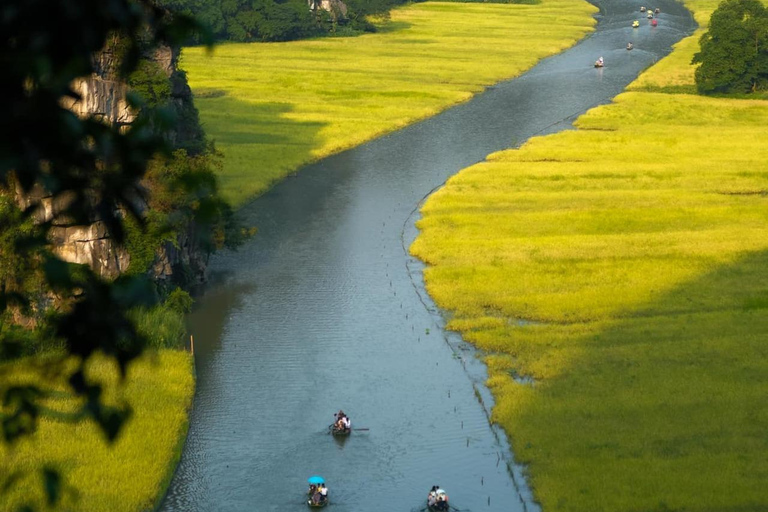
(324, 309)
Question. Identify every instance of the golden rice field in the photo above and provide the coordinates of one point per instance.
(272, 107)
(128, 475)
(624, 268)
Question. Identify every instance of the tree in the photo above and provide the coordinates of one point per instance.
(87, 169)
(734, 51)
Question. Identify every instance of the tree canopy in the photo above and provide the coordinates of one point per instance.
(276, 20)
(734, 51)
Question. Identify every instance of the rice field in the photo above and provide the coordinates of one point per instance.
(129, 475)
(621, 268)
(272, 107)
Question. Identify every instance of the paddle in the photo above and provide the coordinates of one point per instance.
(330, 428)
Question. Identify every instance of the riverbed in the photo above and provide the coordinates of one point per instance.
(324, 309)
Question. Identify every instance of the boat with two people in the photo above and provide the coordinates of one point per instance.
(342, 426)
(437, 499)
(599, 63)
(318, 492)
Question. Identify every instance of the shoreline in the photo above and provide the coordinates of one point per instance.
(557, 351)
(365, 87)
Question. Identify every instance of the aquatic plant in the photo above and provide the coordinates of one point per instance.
(127, 475)
(274, 107)
(637, 245)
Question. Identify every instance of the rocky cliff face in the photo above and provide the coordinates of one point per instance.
(103, 95)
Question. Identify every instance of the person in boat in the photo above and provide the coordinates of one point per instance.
(312, 490)
(346, 423)
(630, 45)
(600, 62)
(339, 423)
(432, 497)
(442, 499)
(323, 492)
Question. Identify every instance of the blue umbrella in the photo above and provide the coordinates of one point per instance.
(316, 480)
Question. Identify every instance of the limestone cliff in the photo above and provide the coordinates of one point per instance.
(103, 95)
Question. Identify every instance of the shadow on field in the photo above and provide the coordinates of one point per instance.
(260, 141)
(241, 122)
(665, 409)
(393, 26)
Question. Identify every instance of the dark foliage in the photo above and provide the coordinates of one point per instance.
(278, 20)
(734, 51)
(87, 168)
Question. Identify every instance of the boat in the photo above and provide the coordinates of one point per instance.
(316, 503)
(599, 64)
(635, 24)
(437, 500)
(314, 499)
(642, 9)
(654, 23)
(336, 431)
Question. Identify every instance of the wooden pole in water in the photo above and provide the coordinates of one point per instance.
(192, 344)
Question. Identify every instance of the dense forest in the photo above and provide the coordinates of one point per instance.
(281, 20)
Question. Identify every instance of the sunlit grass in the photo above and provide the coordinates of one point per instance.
(273, 107)
(623, 266)
(129, 475)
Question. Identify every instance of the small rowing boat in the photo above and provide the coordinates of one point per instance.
(340, 431)
(315, 501)
(437, 500)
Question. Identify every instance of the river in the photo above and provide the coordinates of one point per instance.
(324, 309)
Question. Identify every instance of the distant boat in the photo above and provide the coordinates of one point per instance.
(437, 501)
(315, 499)
(340, 431)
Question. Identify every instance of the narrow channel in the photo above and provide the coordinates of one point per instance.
(324, 309)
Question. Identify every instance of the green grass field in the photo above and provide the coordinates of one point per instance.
(272, 107)
(624, 268)
(129, 475)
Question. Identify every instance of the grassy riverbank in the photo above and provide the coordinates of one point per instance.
(273, 107)
(622, 266)
(129, 475)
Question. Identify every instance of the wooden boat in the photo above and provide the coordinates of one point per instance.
(440, 506)
(336, 431)
(316, 503)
